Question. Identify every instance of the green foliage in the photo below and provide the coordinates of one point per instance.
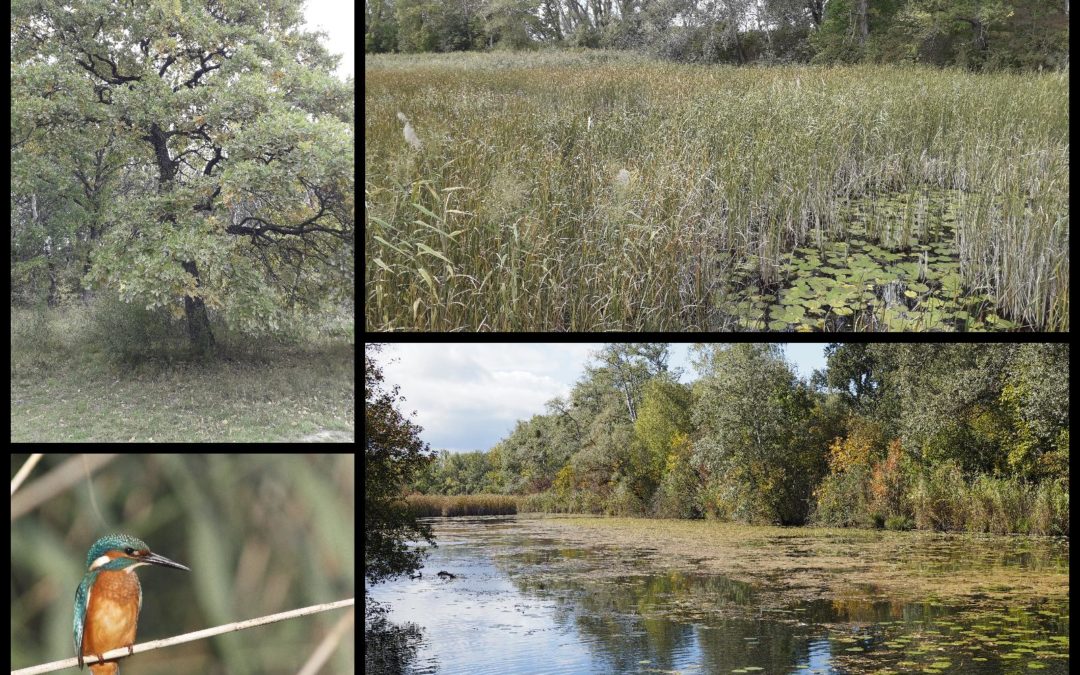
(549, 502)
(972, 33)
(463, 473)
(940, 498)
(584, 449)
(982, 430)
(380, 29)
(529, 457)
(131, 334)
(663, 419)
(677, 495)
(511, 23)
(188, 121)
(417, 22)
(749, 408)
(843, 499)
(624, 501)
(899, 523)
(393, 453)
(1035, 411)
(29, 279)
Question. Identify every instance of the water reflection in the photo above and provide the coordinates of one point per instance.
(523, 603)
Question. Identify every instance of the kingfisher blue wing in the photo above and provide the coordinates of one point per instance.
(82, 601)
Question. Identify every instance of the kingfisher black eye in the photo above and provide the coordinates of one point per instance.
(129, 551)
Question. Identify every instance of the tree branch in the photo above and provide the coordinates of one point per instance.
(165, 66)
(194, 80)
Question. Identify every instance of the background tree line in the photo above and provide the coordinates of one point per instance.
(947, 437)
(971, 33)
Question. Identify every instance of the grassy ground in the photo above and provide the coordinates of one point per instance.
(585, 191)
(96, 374)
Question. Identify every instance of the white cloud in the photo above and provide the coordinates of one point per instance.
(337, 19)
(468, 396)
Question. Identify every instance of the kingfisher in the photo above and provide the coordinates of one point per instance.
(109, 598)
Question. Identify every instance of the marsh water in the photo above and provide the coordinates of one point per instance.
(897, 269)
(526, 598)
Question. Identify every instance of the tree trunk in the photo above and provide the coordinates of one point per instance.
(739, 53)
(863, 16)
(198, 322)
(53, 299)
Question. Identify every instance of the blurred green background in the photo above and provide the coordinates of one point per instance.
(261, 533)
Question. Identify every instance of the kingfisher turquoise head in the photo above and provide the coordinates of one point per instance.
(108, 600)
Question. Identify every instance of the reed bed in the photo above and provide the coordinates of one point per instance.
(565, 191)
(461, 505)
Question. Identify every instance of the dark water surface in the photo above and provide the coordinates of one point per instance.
(523, 603)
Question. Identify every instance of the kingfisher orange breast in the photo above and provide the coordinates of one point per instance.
(112, 615)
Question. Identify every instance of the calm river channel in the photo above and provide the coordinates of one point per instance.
(558, 595)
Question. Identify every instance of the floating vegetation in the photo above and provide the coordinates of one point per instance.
(974, 633)
(898, 269)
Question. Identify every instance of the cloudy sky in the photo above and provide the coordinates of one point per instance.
(468, 396)
(336, 18)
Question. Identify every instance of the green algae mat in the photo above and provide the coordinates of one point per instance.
(898, 269)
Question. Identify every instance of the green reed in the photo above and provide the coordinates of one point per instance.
(584, 191)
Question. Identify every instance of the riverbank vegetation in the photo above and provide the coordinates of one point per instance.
(594, 190)
(462, 505)
(943, 437)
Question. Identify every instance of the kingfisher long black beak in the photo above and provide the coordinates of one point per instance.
(155, 559)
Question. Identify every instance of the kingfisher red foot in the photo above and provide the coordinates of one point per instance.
(109, 598)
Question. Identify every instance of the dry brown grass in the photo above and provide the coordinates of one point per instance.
(462, 505)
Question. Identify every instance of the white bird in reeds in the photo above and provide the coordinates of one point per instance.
(410, 134)
(622, 179)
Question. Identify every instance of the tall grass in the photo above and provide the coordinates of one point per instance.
(515, 214)
(462, 505)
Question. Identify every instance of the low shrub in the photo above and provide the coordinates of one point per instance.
(131, 334)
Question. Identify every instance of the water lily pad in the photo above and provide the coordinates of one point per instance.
(998, 322)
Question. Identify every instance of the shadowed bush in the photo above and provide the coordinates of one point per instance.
(131, 334)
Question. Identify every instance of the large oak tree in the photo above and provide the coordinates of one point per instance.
(207, 142)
